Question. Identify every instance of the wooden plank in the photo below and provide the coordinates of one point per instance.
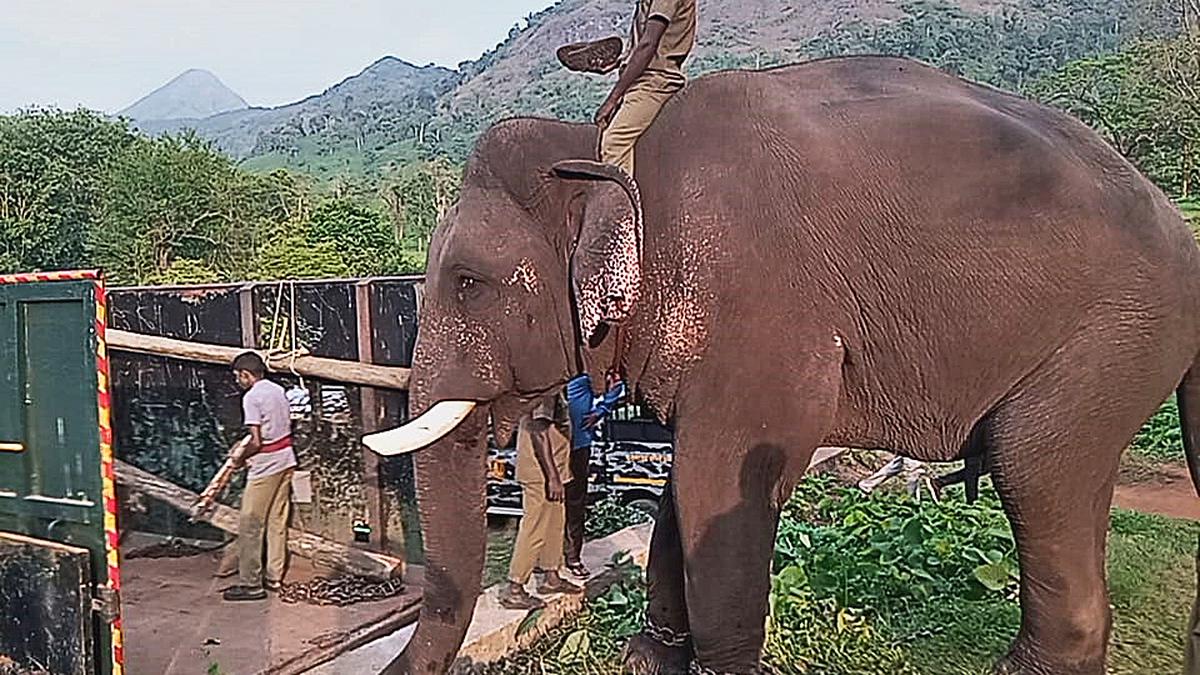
(321, 551)
(369, 413)
(224, 475)
(336, 644)
(335, 370)
(249, 319)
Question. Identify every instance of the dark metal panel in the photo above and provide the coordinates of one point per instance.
(171, 417)
(45, 599)
(177, 419)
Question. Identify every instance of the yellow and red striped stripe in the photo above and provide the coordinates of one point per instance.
(111, 534)
(66, 275)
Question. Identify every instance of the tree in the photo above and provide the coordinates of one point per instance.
(175, 197)
(52, 168)
(294, 257)
(360, 232)
(419, 198)
(1144, 100)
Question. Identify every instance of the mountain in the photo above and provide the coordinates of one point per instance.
(394, 112)
(192, 94)
(388, 103)
(1003, 42)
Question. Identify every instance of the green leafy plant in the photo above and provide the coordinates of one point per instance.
(1160, 439)
(608, 516)
(874, 551)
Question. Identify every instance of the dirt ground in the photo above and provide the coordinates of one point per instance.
(1166, 491)
(1163, 489)
(177, 623)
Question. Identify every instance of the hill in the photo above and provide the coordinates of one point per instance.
(394, 112)
(368, 119)
(1003, 42)
(192, 94)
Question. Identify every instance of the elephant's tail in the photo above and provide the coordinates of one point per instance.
(1188, 397)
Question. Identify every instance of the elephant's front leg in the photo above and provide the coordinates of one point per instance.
(664, 646)
(744, 439)
(728, 531)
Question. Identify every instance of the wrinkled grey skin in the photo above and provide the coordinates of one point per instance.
(860, 252)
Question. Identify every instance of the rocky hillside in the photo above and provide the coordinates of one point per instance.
(393, 112)
(389, 101)
(192, 94)
(1003, 42)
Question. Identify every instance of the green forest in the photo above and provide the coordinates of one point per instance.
(80, 189)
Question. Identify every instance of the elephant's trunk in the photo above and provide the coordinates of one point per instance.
(451, 491)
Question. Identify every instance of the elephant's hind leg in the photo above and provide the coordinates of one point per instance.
(664, 646)
(1055, 444)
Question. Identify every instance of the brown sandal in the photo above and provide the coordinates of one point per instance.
(559, 585)
(599, 56)
(514, 599)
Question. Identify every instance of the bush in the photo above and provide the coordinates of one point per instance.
(1160, 439)
(608, 516)
(883, 550)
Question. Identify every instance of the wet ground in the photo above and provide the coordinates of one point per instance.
(177, 624)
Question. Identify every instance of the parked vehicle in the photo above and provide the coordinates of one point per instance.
(631, 459)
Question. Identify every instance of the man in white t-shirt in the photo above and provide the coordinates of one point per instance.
(267, 497)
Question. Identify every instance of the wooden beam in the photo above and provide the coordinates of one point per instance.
(334, 370)
(329, 647)
(369, 415)
(321, 551)
(224, 476)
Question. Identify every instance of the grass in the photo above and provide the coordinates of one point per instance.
(502, 534)
(1151, 576)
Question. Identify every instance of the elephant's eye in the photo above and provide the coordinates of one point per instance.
(468, 288)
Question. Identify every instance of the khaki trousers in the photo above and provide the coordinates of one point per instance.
(265, 506)
(540, 536)
(639, 108)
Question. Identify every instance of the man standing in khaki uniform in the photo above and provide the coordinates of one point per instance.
(267, 498)
(543, 467)
(663, 34)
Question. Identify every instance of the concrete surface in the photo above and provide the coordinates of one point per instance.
(493, 631)
(177, 624)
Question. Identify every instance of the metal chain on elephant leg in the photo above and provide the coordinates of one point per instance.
(664, 635)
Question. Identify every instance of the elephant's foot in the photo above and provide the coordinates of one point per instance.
(645, 655)
(1027, 659)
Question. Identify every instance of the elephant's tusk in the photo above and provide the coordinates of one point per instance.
(433, 424)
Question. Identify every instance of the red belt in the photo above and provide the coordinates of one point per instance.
(275, 446)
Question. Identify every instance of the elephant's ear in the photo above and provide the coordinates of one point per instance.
(606, 256)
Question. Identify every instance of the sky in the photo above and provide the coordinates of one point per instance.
(105, 54)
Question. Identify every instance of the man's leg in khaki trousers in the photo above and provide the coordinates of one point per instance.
(537, 523)
(639, 108)
(257, 501)
(277, 525)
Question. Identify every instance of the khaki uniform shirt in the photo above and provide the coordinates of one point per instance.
(677, 40)
(551, 409)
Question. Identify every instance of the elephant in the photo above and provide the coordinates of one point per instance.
(852, 252)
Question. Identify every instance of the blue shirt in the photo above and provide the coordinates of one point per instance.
(581, 404)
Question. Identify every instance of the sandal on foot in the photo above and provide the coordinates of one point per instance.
(559, 586)
(578, 569)
(243, 593)
(520, 600)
